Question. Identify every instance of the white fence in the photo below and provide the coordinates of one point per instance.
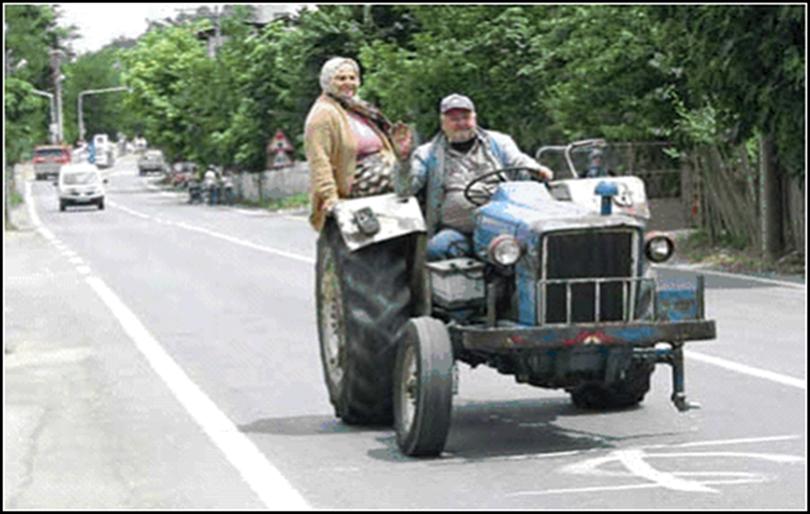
(272, 184)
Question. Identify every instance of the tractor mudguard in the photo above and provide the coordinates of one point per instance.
(370, 220)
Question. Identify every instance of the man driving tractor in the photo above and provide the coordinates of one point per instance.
(441, 168)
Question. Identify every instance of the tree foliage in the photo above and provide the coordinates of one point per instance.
(746, 65)
(544, 73)
(103, 113)
(31, 33)
(168, 72)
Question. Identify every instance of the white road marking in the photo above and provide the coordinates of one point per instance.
(625, 487)
(46, 274)
(636, 465)
(747, 370)
(40, 358)
(247, 244)
(732, 275)
(230, 239)
(265, 479)
(76, 260)
(261, 476)
(84, 270)
(129, 211)
(773, 457)
(721, 442)
(250, 213)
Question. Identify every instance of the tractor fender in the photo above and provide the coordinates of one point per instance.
(395, 216)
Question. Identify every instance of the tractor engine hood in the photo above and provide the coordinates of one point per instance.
(527, 210)
(631, 197)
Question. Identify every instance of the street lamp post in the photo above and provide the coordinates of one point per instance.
(92, 92)
(52, 128)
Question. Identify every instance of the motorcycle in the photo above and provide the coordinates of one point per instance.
(195, 192)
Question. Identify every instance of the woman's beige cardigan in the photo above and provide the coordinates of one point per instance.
(331, 149)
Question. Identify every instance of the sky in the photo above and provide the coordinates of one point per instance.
(101, 23)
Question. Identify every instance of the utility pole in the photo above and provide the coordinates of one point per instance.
(217, 31)
(80, 114)
(56, 63)
(770, 214)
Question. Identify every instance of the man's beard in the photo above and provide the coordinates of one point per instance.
(461, 136)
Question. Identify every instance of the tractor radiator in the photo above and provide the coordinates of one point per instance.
(588, 276)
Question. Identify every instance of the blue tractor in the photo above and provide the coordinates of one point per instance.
(559, 292)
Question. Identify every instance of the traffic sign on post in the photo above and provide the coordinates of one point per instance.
(278, 150)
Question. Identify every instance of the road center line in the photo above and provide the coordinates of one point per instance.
(747, 370)
(224, 237)
(248, 244)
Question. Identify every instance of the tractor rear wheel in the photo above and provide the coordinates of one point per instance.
(363, 301)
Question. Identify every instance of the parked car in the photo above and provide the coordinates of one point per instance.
(48, 159)
(80, 184)
(151, 160)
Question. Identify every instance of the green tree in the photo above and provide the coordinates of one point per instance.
(748, 62)
(164, 72)
(102, 113)
(23, 114)
(30, 35)
(745, 66)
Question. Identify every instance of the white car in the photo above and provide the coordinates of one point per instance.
(80, 184)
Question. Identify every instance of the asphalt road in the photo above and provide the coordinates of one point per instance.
(163, 355)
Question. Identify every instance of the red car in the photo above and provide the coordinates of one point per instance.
(48, 159)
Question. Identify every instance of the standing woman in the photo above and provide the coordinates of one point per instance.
(352, 148)
(363, 297)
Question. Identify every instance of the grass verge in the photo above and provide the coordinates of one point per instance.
(296, 201)
(732, 256)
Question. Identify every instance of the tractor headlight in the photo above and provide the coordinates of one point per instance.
(505, 250)
(659, 247)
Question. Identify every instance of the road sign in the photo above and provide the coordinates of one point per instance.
(280, 143)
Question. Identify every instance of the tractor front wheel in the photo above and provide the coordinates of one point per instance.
(423, 388)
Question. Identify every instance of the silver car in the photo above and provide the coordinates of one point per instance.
(151, 160)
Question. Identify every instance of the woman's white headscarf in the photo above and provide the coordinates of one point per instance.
(329, 69)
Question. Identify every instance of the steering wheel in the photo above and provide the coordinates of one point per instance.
(479, 197)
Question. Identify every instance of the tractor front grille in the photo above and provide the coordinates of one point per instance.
(588, 276)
